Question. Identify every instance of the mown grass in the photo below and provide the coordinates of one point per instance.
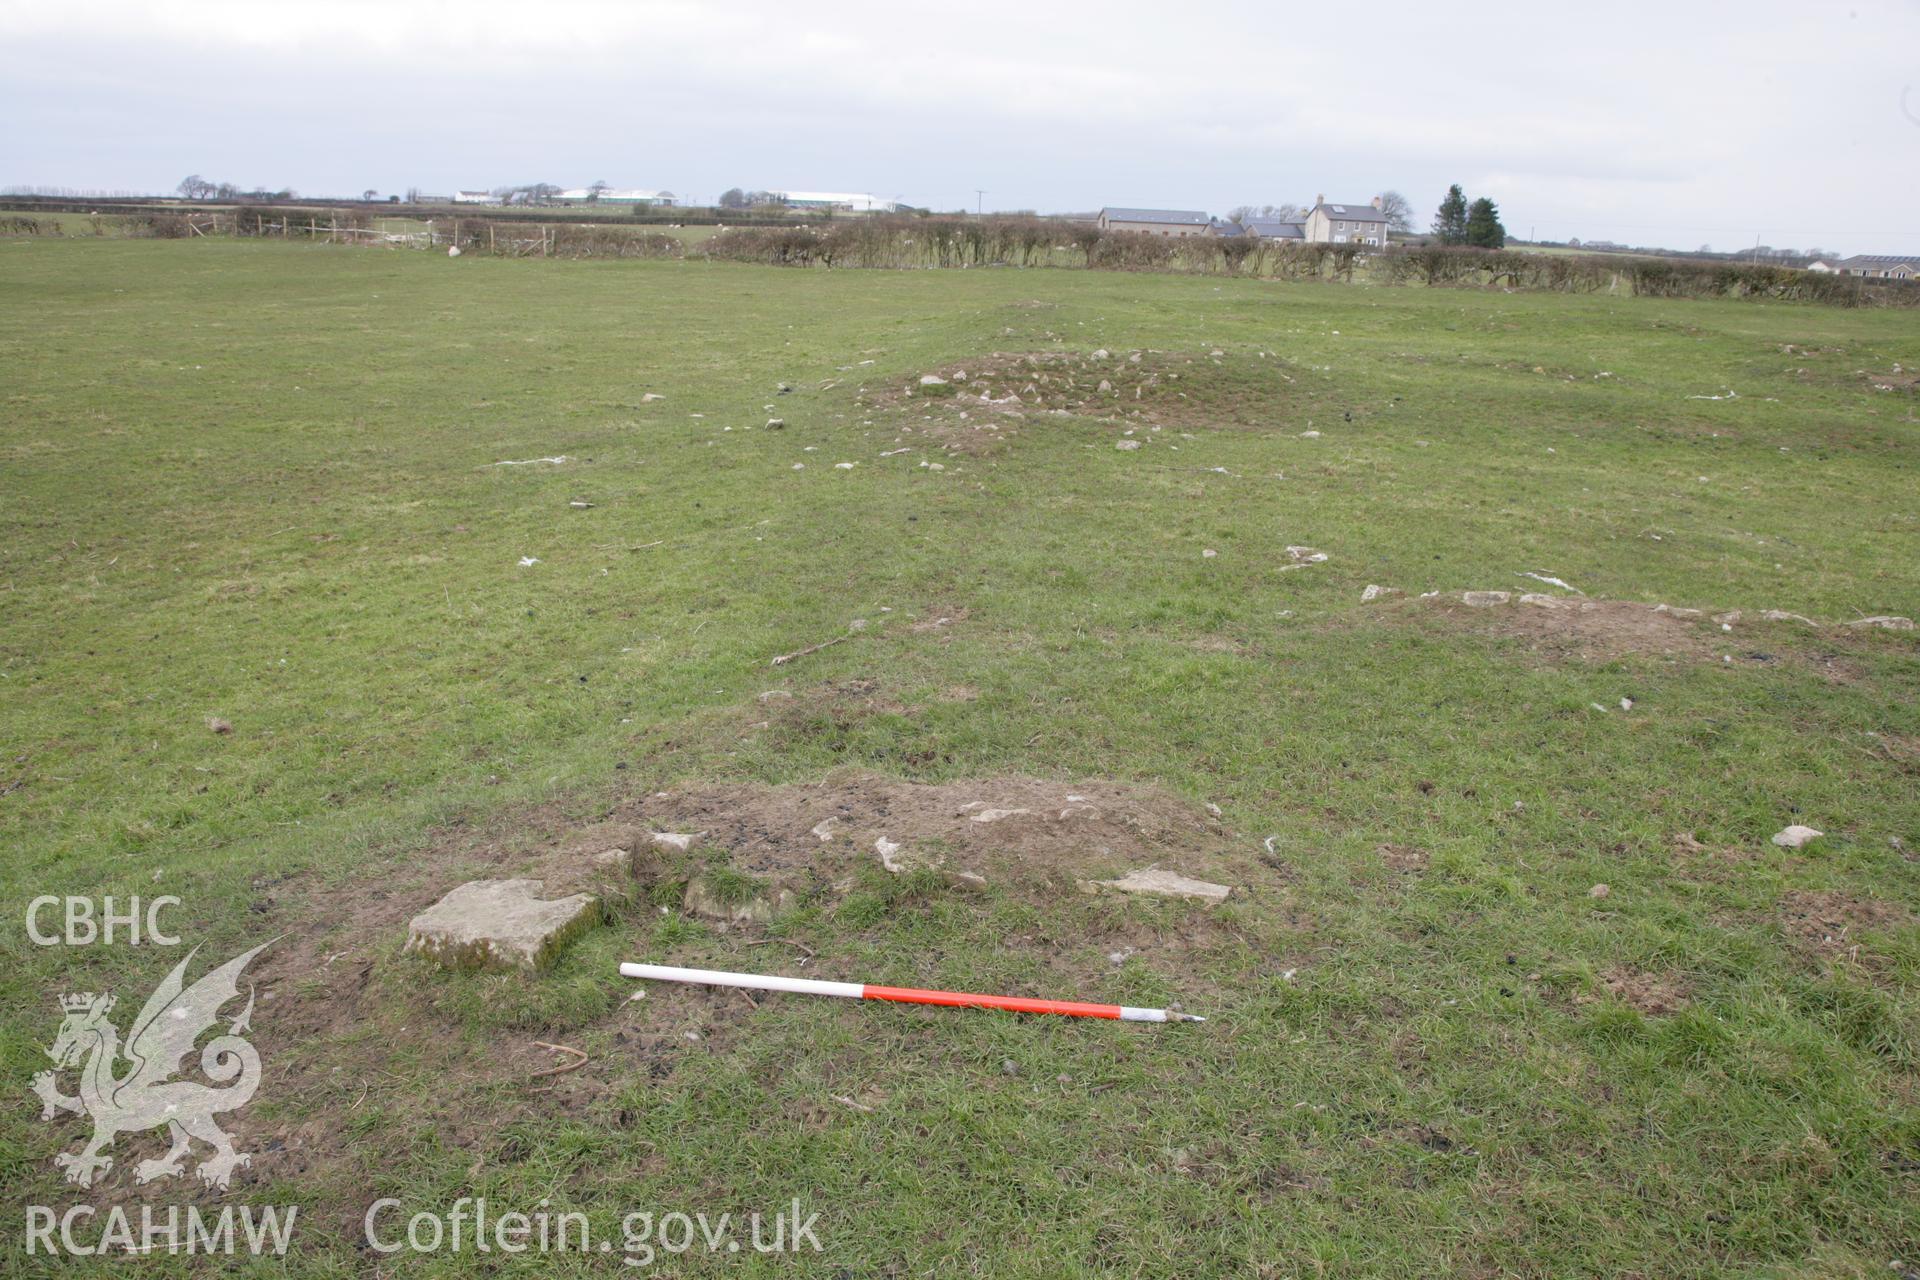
(256, 481)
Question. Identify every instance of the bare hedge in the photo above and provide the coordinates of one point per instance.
(1031, 242)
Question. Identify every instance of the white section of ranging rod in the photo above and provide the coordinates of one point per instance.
(755, 981)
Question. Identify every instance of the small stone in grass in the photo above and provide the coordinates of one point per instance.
(218, 725)
(1599, 891)
(1796, 836)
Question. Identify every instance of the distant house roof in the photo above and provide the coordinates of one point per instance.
(1362, 212)
(1275, 229)
(1228, 229)
(1875, 261)
(1184, 217)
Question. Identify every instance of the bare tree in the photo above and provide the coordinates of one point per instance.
(1398, 211)
(194, 187)
(599, 188)
(368, 194)
(1242, 214)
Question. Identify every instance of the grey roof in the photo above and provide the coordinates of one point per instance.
(1876, 260)
(1228, 229)
(1362, 212)
(1186, 217)
(1275, 229)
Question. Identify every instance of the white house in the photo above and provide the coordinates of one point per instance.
(475, 197)
(1346, 223)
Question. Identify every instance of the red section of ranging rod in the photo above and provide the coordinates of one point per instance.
(966, 1000)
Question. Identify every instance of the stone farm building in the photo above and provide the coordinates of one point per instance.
(1155, 222)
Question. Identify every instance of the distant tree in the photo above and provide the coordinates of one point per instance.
(599, 188)
(194, 187)
(413, 195)
(1240, 213)
(368, 194)
(1450, 224)
(1483, 225)
(1705, 248)
(733, 198)
(1398, 211)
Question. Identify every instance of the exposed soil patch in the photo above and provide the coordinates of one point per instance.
(1563, 628)
(1650, 993)
(1588, 630)
(1896, 379)
(1828, 924)
(1404, 858)
(1025, 834)
(979, 404)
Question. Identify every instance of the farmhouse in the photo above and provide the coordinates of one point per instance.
(1155, 222)
(841, 201)
(475, 197)
(1880, 265)
(1346, 223)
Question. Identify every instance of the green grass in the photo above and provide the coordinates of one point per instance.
(255, 481)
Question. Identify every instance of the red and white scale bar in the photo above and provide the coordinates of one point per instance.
(900, 995)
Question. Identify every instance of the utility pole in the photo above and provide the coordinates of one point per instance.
(981, 207)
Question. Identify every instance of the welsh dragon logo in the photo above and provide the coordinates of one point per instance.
(144, 1095)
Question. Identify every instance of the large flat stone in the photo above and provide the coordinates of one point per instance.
(500, 924)
(1168, 884)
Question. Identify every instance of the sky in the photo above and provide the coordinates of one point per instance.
(1675, 124)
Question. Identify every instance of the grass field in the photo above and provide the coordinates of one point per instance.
(255, 482)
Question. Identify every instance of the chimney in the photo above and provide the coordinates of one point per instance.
(1318, 201)
(1376, 202)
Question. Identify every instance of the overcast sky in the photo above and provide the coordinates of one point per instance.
(1675, 123)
